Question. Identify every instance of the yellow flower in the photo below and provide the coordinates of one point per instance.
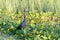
(37, 14)
(12, 27)
(42, 17)
(45, 38)
(32, 21)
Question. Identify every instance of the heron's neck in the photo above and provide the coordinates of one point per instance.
(24, 16)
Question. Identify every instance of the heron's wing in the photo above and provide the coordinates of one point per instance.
(23, 24)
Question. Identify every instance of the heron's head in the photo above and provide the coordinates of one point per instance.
(26, 10)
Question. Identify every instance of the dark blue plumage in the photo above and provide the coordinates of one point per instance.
(23, 23)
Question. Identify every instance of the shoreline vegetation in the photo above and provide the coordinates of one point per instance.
(43, 19)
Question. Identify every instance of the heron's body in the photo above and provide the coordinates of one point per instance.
(23, 23)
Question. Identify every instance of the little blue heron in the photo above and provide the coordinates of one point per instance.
(23, 23)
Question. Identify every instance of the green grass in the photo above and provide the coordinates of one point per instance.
(32, 5)
(44, 26)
